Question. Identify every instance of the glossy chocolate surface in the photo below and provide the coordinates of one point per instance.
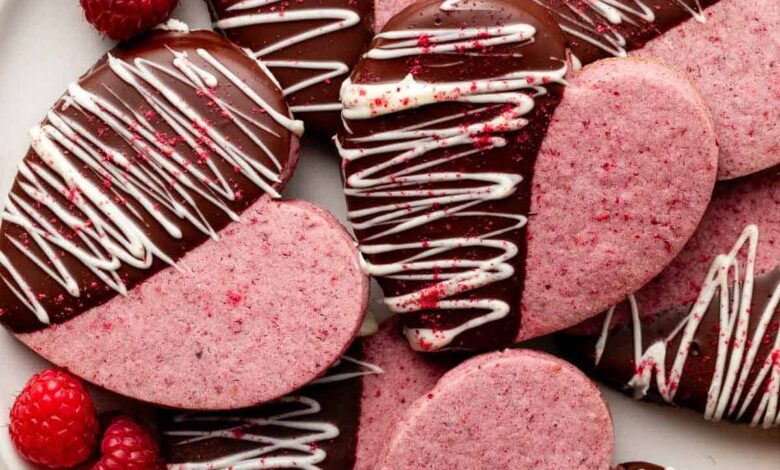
(617, 366)
(254, 428)
(156, 48)
(592, 36)
(546, 53)
(295, 62)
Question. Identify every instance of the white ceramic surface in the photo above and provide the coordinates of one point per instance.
(45, 44)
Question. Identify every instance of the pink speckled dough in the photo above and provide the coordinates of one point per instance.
(407, 376)
(264, 311)
(753, 199)
(622, 179)
(733, 60)
(736, 204)
(517, 409)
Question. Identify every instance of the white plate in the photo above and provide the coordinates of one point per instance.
(44, 45)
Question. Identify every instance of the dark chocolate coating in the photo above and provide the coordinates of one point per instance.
(100, 80)
(546, 53)
(638, 466)
(617, 363)
(345, 46)
(637, 32)
(340, 402)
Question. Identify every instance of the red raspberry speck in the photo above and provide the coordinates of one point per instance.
(234, 298)
(53, 421)
(425, 345)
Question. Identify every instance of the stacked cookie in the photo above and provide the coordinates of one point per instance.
(512, 168)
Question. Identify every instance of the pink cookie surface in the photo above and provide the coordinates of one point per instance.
(736, 204)
(260, 313)
(622, 179)
(517, 409)
(732, 60)
(407, 376)
(754, 199)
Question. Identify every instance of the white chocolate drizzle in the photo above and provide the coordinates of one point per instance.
(397, 176)
(107, 234)
(583, 15)
(342, 19)
(731, 393)
(271, 451)
(174, 25)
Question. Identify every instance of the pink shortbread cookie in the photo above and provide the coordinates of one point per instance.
(141, 247)
(516, 409)
(280, 293)
(622, 180)
(735, 205)
(339, 422)
(751, 200)
(733, 60)
(731, 57)
(407, 376)
(607, 174)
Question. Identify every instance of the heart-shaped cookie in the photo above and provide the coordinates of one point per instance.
(141, 248)
(477, 184)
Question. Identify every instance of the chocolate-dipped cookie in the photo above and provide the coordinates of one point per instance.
(315, 427)
(309, 45)
(144, 212)
(419, 182)
(600, 29)
(461, 223)
(704, 334)
(725, 47)
(146, 139)
(338, 422)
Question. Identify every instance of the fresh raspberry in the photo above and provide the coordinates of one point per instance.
(121, 19)
(128, 446)
(53, 420)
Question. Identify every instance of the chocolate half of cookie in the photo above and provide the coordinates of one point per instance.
(309, 45)
(482, 191)
(443, 123)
